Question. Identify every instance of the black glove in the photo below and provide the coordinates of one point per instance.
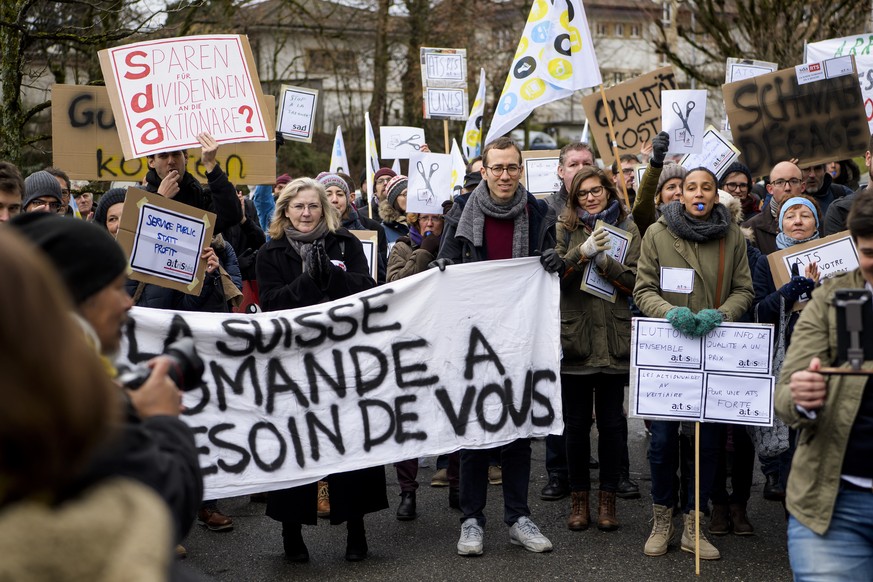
(441, 264)
(430, 243)
(796, 287)
(318, 265)
(552, 262)
(313, 265)
(660, 145)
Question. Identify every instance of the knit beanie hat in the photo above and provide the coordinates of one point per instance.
(40, 184)
(396, 187)
(327, 179)
(670, 171)
(112, 196)
(86, 256)
(283, 179)
(471, 180)
(733, 168)
(383, 172)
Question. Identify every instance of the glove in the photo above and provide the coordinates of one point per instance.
(682, 319)
(552, 262)
(430, 243)
(602, 261)
(441, 264)
(660, 145)
(707, 320)
(796, 287)
(320, 273)
(598, 242)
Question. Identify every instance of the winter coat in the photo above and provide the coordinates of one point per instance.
(221, 198)
(158, 297)
(828, 193)
(407, 259)
(764, 229)
(768, 300)
(663, 248)
(814, 481)
(645, 210)
(586, 319)
(393, 223)
(838, 213)
(246, 238)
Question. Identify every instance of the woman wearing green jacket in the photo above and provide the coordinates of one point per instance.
(693, 270)
(595, 337)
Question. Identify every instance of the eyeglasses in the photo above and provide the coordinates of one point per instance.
(595, 192)
(793, 182)
(53, 206)
(430, 219)
(497, 171)
(383, 180)
(312, 208)
(736, 185)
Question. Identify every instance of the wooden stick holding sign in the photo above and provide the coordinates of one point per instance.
(614, 140)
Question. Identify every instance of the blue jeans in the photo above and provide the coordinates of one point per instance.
(515, 459)
(664, 460)
(844, 552)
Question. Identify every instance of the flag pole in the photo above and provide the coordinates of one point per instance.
(613, 138)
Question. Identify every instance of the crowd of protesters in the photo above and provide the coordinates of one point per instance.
(290, 245)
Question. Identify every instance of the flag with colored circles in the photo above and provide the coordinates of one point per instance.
(339, 161)
(473, 130)
(555, 57)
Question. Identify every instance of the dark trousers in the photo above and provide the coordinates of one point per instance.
(556, 456)
(515, 460)
(602, 394)
(407, 474)
(741, 469)
(664, 460)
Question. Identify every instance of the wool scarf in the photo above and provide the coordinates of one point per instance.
(472, 223)
(302, 241)
(689, 228)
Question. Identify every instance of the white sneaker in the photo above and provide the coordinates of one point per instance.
(525, 533)
(471, 542)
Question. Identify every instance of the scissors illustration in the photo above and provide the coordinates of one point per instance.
(433, 168)
(396, 142)
(689, 107)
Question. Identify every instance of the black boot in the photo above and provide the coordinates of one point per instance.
(292, 540)
(627, 489)
(557, 488)
(406, 509)
(356, 542)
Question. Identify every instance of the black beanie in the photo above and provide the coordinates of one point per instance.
(112, 196)
(86, 256)
(732, 169)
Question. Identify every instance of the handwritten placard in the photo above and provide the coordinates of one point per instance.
(163, 240)
(541, 171)
(400, 142)
(723, 376)
(592, 281)
(444, 83)
(717, 154)
(430, 182)
(297, 113)
(165, 92)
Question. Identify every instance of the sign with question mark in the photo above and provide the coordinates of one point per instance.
(165, 92)
(297, 109)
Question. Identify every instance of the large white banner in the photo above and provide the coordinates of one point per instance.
(424, 366)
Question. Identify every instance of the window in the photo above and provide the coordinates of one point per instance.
(619, 29)
(325, 62)
(601, 29)
(617, 77)
(635, 30)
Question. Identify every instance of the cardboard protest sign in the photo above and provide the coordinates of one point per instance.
(683, 116)
(541, 171)
(296, 119)
(741, 69)
(724, 376)
(163, 240)
(85, 143)
(834, 254)
(370, 240)
(859, 47)
(291, 396)
(444, 83)
(635, 107)
(776, 117)
(592, 282)
(400, 142)
(717, 154)
(164, 92)
(430, 182)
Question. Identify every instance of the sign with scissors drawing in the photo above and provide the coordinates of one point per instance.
(430, 182)
(399, 142)
(683, 115)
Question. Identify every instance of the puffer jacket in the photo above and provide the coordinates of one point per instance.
(814, 481)
(663, 248)
(586, 319)
(407, 259)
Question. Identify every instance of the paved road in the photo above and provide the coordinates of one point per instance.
(424, 549)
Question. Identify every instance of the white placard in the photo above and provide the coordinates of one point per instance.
(291, 396)
(430, 182)
(833, 257)
(858, 46)
(400, 142)
(297, 107)
(718, 153)
(670, 394)
(738, 400)
(659, 344)
(683, 116)
(446, 102)
(541, 175)
(444, 83)
(167, 244)
(592, 281)
(739, 69)
(738, 349)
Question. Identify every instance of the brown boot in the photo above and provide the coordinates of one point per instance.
(719, 520)
(579, 517)
(742, 526)
(323, 500)
(606, 520)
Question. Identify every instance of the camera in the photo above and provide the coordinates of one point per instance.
(186, 367)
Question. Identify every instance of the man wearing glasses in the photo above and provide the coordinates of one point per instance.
(737, 181)
(64, 181)
(499, 219)
(786, 181)
(629, 162)
(42, 193)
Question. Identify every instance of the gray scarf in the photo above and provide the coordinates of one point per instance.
(687, 227)
(302, 241)
(472, 223)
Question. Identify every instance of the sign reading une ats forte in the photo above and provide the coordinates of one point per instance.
(165, 92)
(369, 379)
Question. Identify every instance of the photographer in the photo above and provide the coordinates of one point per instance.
(152, 445)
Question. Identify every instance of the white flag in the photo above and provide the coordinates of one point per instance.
(372, 155)
(473, 130)
(459, 168)
(395, 167)
(339, 162)
(555, 57)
